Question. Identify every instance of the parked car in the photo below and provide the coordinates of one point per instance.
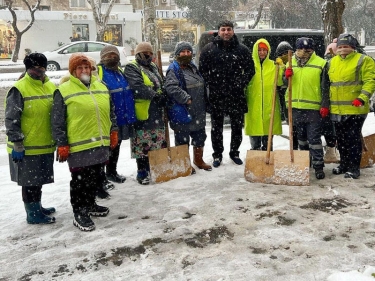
(59, 58)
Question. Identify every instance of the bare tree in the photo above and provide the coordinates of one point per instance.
(19, 33)
(331, 11)
(101, 13)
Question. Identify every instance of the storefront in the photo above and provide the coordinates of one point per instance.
(174, 26)
(7, 39)
(51, 29)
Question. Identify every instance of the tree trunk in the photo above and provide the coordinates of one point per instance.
(331, 11)
(17, 47)
(149, 25)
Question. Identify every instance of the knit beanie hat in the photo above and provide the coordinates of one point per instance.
(180, 46)
(262, 45)
(305, 43)
(107, 50)
(347, 39)
(76, 60)
(283, 48)
(35, 59)
(143, 47)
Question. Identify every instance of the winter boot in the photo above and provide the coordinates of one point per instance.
(102, 193)
(143, 177)
(83, 221)
(319, 174)
(48, 211)
(98, 211)
(35, 215)
(115, 177)
(198, 159)
(354, 174)
(330, 156)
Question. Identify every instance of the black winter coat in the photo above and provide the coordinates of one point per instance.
(226, 69)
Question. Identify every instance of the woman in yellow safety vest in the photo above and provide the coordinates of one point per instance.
(84, 128)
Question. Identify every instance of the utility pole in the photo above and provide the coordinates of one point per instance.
(149, 25)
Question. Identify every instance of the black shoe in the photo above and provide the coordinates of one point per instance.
(98, 211)
(339, 170)
(319, 174)
(107, 185)
(216, 163)
(102, 194)
(352, 175)
(193, 172)
(83, 221)
(236, 160)
(115, 177)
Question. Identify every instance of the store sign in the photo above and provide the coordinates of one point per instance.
(80, 16)
(169, 14)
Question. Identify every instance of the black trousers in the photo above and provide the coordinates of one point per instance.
(83, 186)
(217, 123)
(349, 142)
(328, 131)
(111, 167)
(31, 194)
(309, 138)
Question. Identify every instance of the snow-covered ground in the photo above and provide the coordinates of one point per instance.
(209, 226)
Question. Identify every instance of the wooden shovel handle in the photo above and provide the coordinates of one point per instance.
(270, 130)
(160, 67)
(290, 116)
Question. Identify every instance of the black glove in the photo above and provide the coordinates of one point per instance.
(160, 100)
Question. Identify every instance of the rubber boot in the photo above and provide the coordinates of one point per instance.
(34, 194)
(198, 159)
(35, 215)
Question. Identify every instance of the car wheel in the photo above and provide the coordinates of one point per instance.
(52, 66)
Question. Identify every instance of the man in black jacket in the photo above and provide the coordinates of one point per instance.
(227, 68)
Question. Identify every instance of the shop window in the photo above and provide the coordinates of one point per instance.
(80, 32)
(113, 34)
(78, 3)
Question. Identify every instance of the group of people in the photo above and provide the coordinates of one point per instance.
(96, 107)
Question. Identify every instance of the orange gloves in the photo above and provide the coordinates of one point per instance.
(113, 139)
(62, 153)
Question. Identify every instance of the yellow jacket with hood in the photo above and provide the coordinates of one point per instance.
(259, 95)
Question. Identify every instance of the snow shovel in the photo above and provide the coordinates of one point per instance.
(171, 162)
(368, 151)
(291, 167)
(259, 164)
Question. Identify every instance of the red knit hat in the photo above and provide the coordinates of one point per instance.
(263, 45)
(76, 60)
